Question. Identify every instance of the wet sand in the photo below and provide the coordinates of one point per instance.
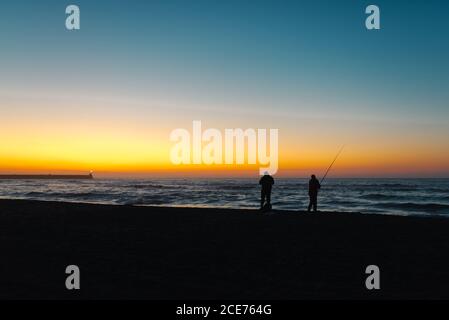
(127, 252)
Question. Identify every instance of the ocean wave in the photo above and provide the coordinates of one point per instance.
(153, 186)
(68, 195)
(378, 196)
(396, 196)
(135, 202)
(424, 207)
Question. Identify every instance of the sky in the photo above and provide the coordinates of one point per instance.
(106, 97)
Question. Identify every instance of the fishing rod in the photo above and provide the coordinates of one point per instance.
(327, 171)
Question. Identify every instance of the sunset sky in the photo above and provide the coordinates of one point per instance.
(105, 98)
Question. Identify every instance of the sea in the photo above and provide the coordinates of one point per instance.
(369, 196)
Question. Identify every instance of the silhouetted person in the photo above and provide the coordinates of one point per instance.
(314, 186)
(266, 182)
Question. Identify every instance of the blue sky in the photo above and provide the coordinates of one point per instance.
(291, 48)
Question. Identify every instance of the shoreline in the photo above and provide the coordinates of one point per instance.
(254, 210)
(140, 252)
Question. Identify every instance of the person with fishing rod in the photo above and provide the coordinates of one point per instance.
(266, 182)
(315, 186)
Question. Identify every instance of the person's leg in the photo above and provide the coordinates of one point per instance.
(262, 198)
(310, 204)
(315, 203)
(269, 197)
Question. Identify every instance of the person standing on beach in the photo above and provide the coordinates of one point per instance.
(314, 186)
(266, 182)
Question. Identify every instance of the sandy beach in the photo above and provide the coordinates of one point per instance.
(127, 252)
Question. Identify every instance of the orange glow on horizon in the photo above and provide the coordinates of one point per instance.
(121, 159)
(112, 149)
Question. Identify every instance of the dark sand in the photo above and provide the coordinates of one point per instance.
(165, 253)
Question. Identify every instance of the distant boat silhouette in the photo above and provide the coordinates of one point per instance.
(46, 176)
